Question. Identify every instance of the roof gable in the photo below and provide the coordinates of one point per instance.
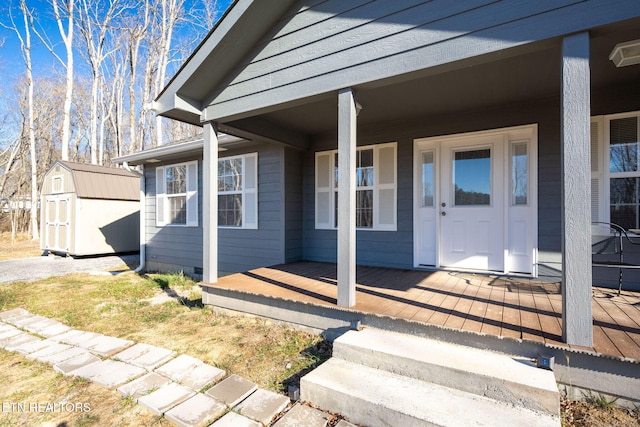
(102, 182)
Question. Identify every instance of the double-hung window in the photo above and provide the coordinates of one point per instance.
(177, 194)
(615, 166)
(375, 188)
(238, 191)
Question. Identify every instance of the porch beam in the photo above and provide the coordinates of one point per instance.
(210, 204)
(577, 320)
(346, 198)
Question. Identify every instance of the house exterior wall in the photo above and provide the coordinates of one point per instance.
(171, 248)
(179, 248)
(293, 223)
(395, 249)
(245, 249)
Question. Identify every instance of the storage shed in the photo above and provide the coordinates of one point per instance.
(89, 210)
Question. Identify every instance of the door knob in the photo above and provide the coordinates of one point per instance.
(443, 213)
(443, 204)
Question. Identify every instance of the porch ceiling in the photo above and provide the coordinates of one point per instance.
(519, 75)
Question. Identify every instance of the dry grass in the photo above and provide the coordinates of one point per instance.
(597, 413)
(271, 355)
(21, 247)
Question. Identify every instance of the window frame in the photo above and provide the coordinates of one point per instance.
(249, 167)
(57, 184)
(377, 187)
(606, 166)
(191, 195)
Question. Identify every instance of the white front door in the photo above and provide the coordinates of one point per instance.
(475, 201)
(471, 204)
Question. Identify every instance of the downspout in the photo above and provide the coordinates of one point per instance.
(143, 241)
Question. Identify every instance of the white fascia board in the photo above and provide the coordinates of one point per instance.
(159, 153)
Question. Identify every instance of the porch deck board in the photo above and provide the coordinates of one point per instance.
(621, 317)
(508, 307)
(492, 323)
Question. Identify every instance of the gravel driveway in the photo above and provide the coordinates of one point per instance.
(29, 269)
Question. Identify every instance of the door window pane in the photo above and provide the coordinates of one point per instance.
(472, 177)
(519, 174)
(427, 179)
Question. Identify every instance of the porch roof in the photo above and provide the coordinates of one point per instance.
(513, 66)
(508, 307)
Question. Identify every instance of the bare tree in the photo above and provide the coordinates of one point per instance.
(172, 11)
(24, 36)
(94, 24)
(67, 38)
(64, 14)
(136, 33)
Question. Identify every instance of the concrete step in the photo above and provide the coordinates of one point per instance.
(375, 397)
(496, 376)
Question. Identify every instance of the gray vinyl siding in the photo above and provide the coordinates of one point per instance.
(172, 248)
(394, 249)
(334, 44)
(243, 249)
(293, 205)
(179, 248)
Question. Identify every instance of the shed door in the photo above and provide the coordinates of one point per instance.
(58, 230)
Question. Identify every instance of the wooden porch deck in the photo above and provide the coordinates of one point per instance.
(508, 307)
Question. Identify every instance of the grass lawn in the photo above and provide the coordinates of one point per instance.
(130, 306)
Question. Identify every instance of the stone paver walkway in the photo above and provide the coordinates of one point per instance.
(162, 381)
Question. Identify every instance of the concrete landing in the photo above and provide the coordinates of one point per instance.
(374, 397)
(380, 378)
(511, 380)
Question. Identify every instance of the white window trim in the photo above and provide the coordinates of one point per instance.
(245, 192)
(377, 187)
(162, 205)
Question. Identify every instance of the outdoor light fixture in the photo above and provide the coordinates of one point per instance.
(627, 53)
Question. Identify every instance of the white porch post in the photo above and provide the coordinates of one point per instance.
(346, 198)
(210, 204)
(577, 328)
